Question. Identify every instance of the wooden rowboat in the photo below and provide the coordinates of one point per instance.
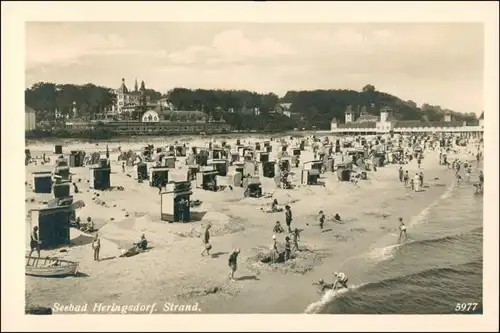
(50, 267)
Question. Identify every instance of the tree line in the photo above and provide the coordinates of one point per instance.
(315, 109)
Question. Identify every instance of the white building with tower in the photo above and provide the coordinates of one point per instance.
(386, 123)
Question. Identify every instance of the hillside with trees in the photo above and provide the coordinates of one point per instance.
(315, 108)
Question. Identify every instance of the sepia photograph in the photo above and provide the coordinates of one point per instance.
(198, 167)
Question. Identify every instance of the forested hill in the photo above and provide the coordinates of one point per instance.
(328, 104)
(309, 108)
(317, 107)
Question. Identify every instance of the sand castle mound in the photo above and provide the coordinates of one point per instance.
(210, 288)
(302, 261)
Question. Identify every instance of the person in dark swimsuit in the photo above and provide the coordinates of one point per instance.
(325, 286)
(35, 242)
(233, 263)
(143, 243)
(288, 218)
(288, 248)
(321, 219)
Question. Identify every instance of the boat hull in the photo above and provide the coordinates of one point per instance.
(63, 268)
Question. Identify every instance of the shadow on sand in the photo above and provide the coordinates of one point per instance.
(247, 277)
(197, 216)
(218, 254)
(107, 258)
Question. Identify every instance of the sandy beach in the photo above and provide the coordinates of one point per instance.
(173, 269)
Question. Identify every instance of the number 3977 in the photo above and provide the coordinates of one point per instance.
(465, 307)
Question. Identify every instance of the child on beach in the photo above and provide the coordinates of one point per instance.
(321, 218)
(288, 248)
(406, 178)
(278, 228)
(96, 246)
(296, 238)
(233, 263)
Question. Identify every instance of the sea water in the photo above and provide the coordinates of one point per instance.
(439, 266)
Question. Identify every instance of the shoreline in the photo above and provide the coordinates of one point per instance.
(169, 137)
(174, 271)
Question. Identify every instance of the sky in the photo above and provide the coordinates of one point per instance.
(435, 63)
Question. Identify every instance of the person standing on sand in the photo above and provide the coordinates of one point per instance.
(96, 245)
(35, 241)
(158, 184)
(321, 220)
(481, 180)
(183, 205)
(123, 167)
(206, 241)
(288, 218)
(401, 174)
(406, 178)
(421, 178)
(296, 238)
(233, 263)
(274, 250)
(288, 249)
